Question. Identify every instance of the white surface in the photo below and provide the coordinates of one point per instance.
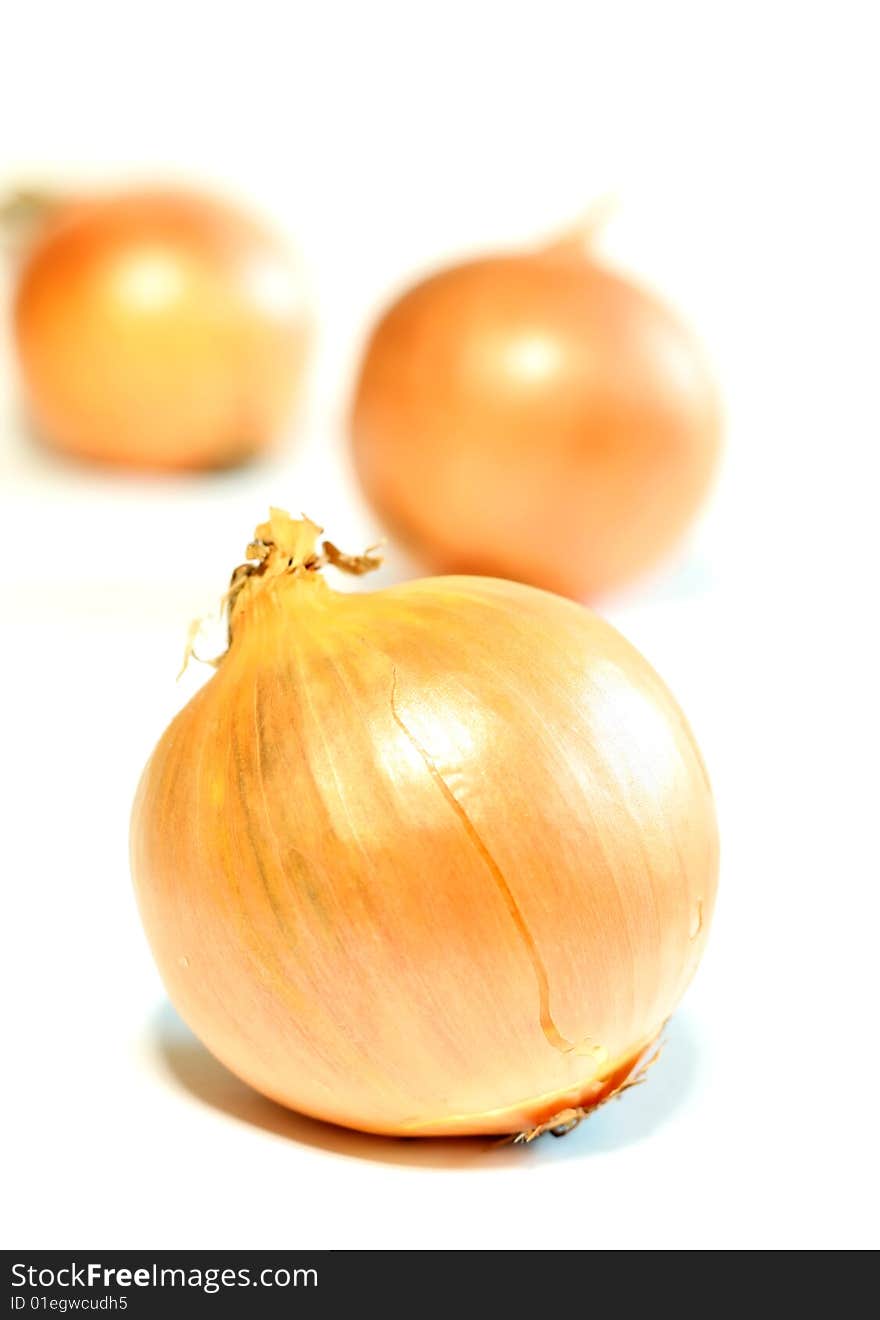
(741, 144)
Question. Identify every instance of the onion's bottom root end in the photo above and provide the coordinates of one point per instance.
(566, 1120)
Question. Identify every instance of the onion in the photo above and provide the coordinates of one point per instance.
(434, 859)
(159, 330)
(562, 420)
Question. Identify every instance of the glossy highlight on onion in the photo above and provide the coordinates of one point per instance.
(159, 329)
(535, 415)
(434, 859)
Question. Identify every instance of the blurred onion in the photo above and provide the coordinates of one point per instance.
(538, 417)
(159, 329)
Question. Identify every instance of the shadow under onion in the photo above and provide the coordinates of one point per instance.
(632, 1118)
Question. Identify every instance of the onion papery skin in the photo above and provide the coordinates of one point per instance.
(437, 859)
(563, 419)
(159, 329)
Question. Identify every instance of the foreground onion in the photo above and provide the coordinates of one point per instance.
(159, 330)
(561, 418)
(434, 859)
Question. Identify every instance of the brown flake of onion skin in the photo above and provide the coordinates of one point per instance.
(423, 861)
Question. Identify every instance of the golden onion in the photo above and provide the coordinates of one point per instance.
(159, 329)
(578, 401)
(434, 859)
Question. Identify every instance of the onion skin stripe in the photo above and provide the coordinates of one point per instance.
(548, 1026)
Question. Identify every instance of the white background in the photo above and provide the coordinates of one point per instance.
(741, 143)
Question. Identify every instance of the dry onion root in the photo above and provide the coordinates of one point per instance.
(559, 1125)
(437, 859)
